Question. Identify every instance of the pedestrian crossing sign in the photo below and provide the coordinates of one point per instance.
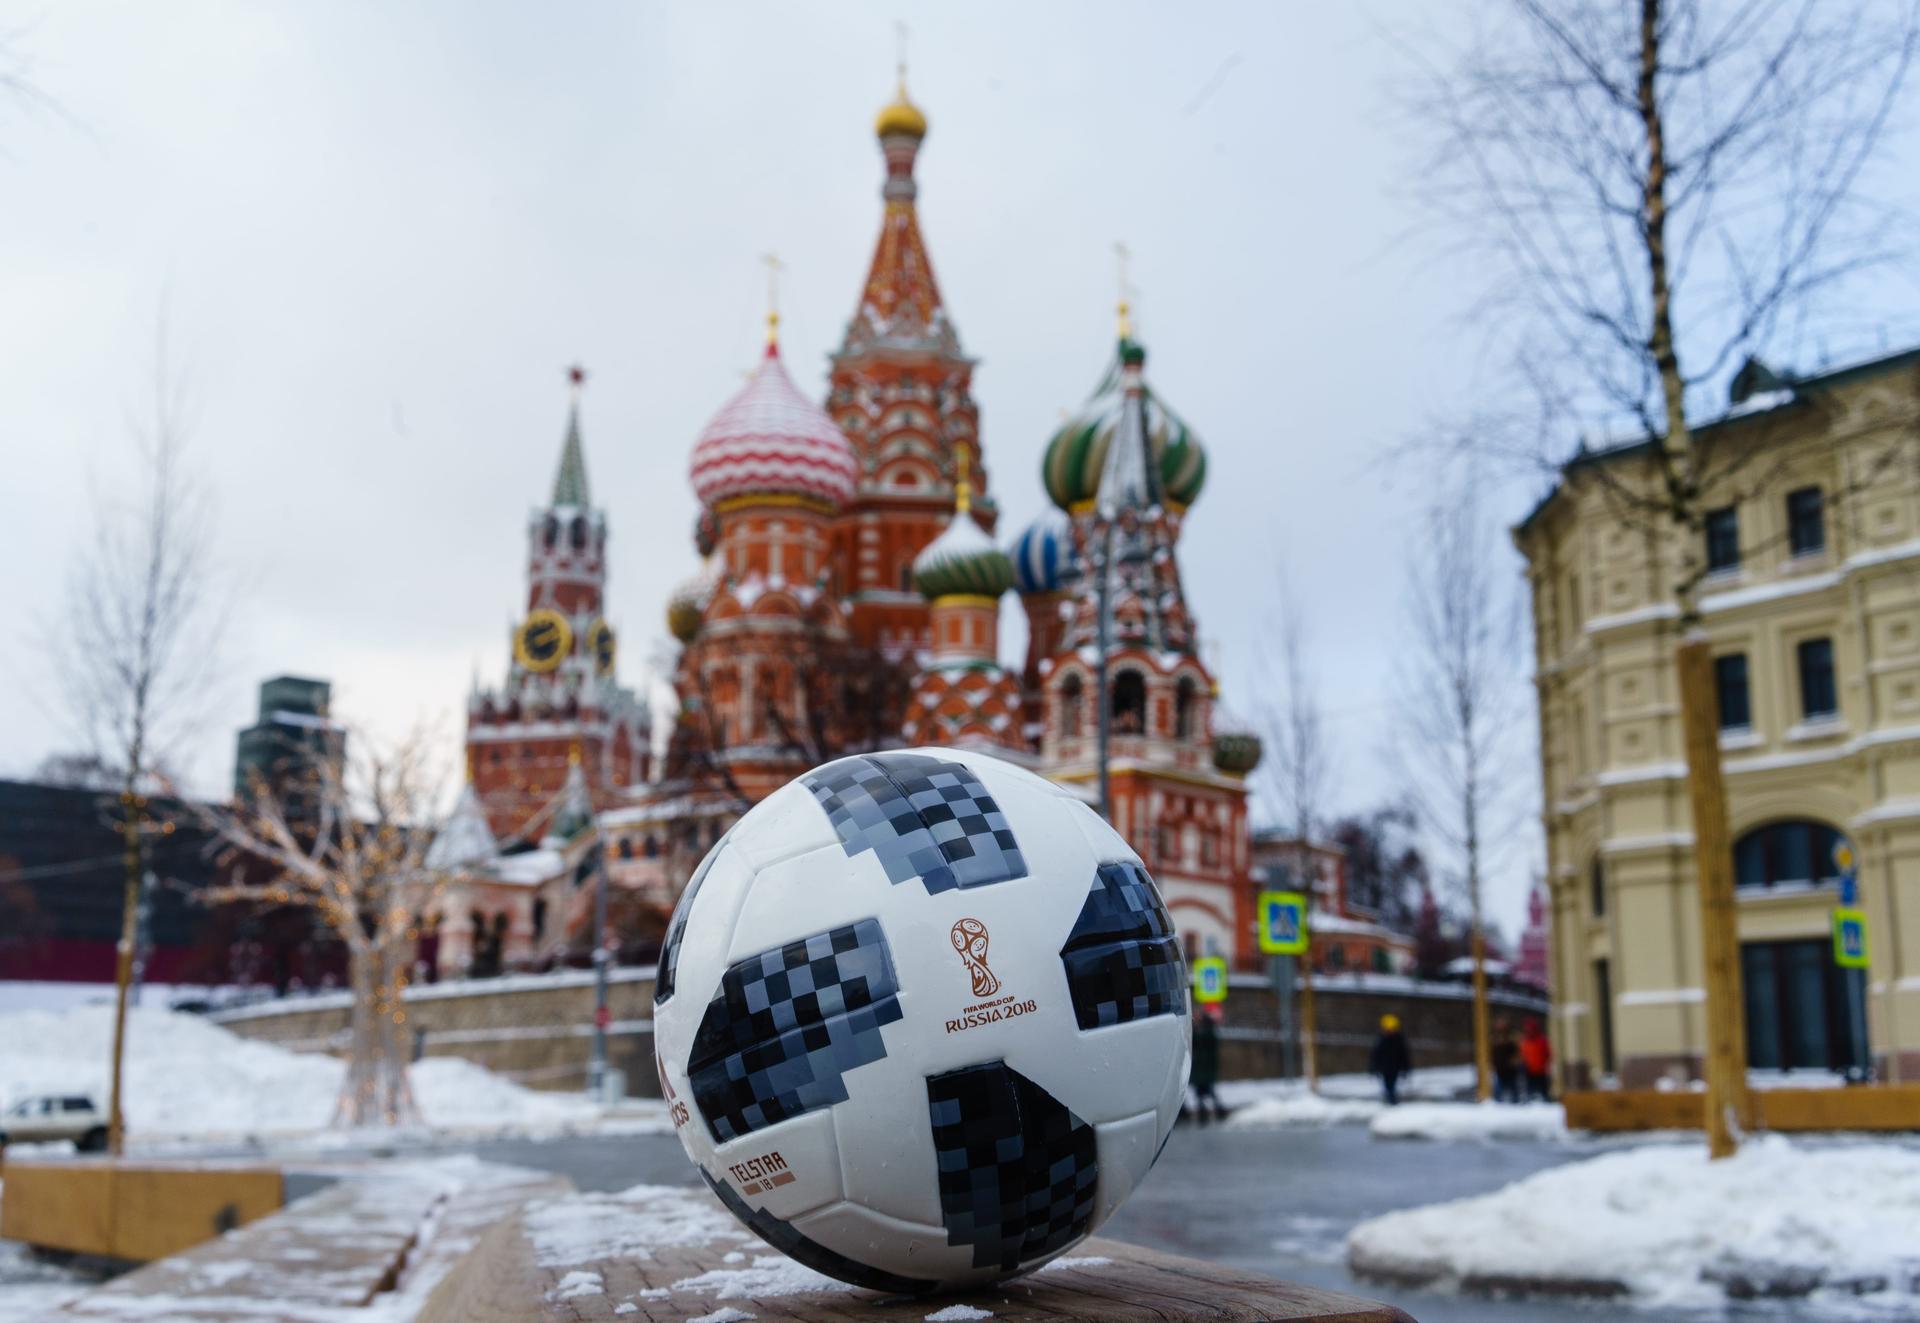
(1209, 980)
(1850, 938)
(1283, 923)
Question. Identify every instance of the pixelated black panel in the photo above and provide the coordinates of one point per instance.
(922, 817)
(786, 1026)
(1018, 1170)
(801, 1248)
(1123, 962)
(677, 926)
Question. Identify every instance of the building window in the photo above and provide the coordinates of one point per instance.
(1806, 521)
(1603, 999)
(1597, 887)
(1786, 853)
(1070, 707)
(1723, 539)
(1129, 703)
(1184, 705)
(1730, 681)
(1817, 697)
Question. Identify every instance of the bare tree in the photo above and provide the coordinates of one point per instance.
(1460, 704)
(1293, 730)
(348, 838)
(134, 656)
(1662, 185)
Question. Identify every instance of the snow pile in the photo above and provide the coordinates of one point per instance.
(1455, 1121)
(1341, 1099)
(187, 1077)
(1667, 1227)
(1305, 1109)
(958, 1314)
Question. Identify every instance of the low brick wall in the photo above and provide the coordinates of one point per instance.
(538, 1028)
(534, 1028)
(1437, 1019)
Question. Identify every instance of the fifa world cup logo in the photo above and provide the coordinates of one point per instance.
(970, 940)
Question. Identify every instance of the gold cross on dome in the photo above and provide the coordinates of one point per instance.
(1121, 256)
(774, 267)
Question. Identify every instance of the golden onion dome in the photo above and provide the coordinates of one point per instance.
(900, 116)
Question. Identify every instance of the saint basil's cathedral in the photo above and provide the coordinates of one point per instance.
(850, 600)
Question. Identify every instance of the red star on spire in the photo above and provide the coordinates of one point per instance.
(577, 376)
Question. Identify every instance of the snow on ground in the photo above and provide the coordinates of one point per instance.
(32, 1288)
(1437, 1084)
(1456, 1121)
(1304, 1109)
(1427, 1112)
(189, 1078)
(1666, 1225)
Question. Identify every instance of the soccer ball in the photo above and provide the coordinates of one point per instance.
(921, 1020)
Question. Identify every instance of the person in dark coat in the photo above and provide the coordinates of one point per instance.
(1506, 1065)
(1206, 1066)
(1390, 1059)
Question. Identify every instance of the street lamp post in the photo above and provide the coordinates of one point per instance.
(602, 957)
(1103, 567)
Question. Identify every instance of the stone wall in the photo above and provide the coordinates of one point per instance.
(538, 1029)
(1437, 1019)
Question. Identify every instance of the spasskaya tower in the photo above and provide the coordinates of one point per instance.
(561, 699)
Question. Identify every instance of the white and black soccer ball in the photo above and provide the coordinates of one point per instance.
(922, 1020)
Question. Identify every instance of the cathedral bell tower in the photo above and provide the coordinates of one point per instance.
(560, 693)
(901, 389)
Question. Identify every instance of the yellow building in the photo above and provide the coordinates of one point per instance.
(1813, 606)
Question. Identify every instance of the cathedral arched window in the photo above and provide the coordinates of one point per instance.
(1129, 703)
(1186, 706)
(550, 532)
(1070, 695)
(578, 533)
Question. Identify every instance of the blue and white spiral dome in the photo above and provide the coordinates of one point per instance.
(1041, 554)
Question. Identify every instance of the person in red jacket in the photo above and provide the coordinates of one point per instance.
(1536, 1058)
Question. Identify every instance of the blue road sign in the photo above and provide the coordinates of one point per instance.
(1283, 923)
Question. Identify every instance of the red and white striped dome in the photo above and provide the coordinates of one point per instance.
(770, 440)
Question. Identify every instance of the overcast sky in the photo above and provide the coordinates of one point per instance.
(381, 232)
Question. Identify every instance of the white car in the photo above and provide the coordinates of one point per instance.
(44, 1120)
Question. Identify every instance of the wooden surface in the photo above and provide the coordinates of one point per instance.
(508, 1280)
(369, 1238)
(138, 1210)
(1878, 1107)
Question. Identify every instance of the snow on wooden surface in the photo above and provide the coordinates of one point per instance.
(658, 1253)
(368, 1248)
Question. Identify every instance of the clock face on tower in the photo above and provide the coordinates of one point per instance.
(600, 645)
(543, 642)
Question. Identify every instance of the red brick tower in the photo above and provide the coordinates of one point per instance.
(901, 390)
(561, 693)
(1177, 787)
(760, 658)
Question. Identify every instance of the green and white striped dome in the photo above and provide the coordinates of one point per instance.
(1078, 451)
(963, 559)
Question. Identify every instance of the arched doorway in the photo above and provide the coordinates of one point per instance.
(1803, 1012)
